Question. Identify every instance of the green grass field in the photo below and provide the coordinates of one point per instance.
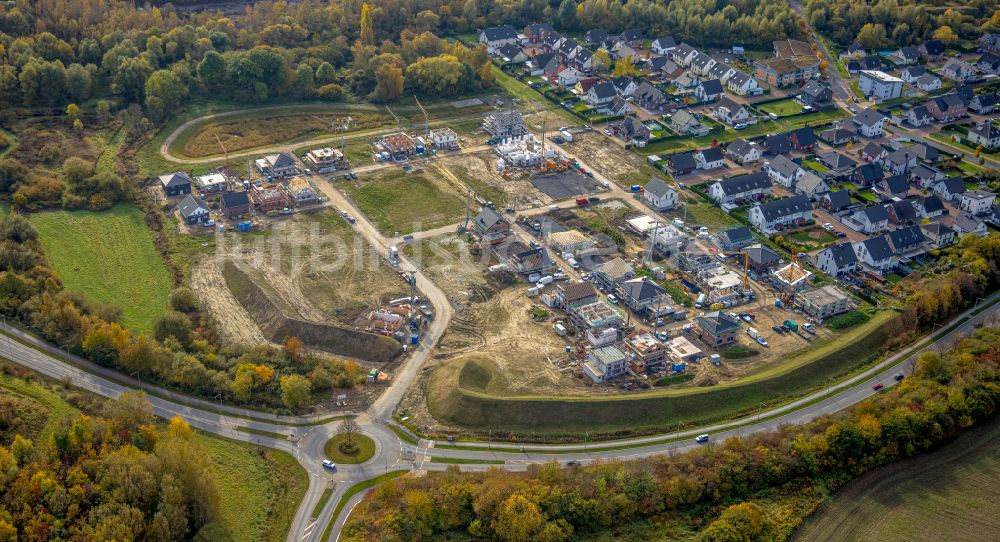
(366, 449)
(108, 256)
(949, 494)
(404, 202)
(783, 108)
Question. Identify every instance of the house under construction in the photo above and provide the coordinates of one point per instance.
(388, 320)
(397, 147)
(505, 124)
(268, 198)
(525, 152)
(327, 160)
(444, 139)
(791, 278)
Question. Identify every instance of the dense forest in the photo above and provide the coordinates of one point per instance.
(888, 23)
(759, 487)
(111, 477)
(182, 352)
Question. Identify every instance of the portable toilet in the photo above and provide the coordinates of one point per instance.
(244, 226)
(569, 349)
(414, 339)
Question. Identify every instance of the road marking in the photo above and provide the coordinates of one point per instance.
(308, 530)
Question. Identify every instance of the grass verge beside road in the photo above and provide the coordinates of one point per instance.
(354, 490)
(108, 256)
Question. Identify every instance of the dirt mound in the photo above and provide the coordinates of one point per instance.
(277, 326)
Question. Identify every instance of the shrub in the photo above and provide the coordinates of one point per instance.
(847, 320)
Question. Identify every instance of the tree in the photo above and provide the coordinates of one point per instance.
(293, 349)
(129, 79)
(946, 35)
(741, 522)
(625, 67)
(326, 74)
(872, 36)
(388, 83)
(212, 71)
(349, 429)
(183, 300)
(518, 519)
(130, 409)
(443, 75)
(305, 83)
(164, 92)
(567, 14)
(602, 61)
(367, 34)
(173, 324)
(296, 391)
(72, 112)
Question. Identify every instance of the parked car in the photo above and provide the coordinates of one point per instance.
(809, 328)
(878, 386)
(762, 341)
(612, 299)
(701, 439)
(778, 329)
(327, 464)
(747, 319)
(827, 226)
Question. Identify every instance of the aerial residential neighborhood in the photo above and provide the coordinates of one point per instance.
(579, 270)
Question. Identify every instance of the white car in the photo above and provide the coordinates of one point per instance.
(327, 464)
(827, 226)
(701, 439)
(762, 340)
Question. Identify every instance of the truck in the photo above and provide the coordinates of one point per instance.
(547, 279)
(808, 328)
(701, 300)
(752, 333)
(393, 254)
(566, 134)
(559, 329)
(636, 188)
(790, 324)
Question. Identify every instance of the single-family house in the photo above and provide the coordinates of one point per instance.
(901, 212)
(900, 161)
(868, 174)
(600, 94)
(984, 104)
(721, 71)
(836, 136)
(193, 210)
(647, 354)
(911, 73)
(643, 295)
(730, 112)
(873, 152)
(511, 54)
(681, 163)
(596, 37)
(736, 238)
(823, 302)
(614, 272)
(625, 85)
(927, 82)
(568, 77)
(211, 182)
(803, 139)
(605, 363)
(976, 202)
(784, 171)
(854, 51)
(989, 63)
(536, 260)
(278, 165)
(874, 254)
(664, 66)
(683, 122)
(683, 54)
(176, 184)
(617, 107)
(959, 70)
(947, 107)
(709, 91)
(869, 122)
(937, 234)
(776, 215)
(649, 97)
(906, 242)
(867, 62)
(919, 117)
(815, 94)
(925, 175)
(905, 56)
(716, 329)
(837, 163)
(661, 46)
(777, 144)
(761, 260)
(701, 63)
(234, 204)
(710, 158)
(749, 187)
(894, 186)
(966, 223)
(811, 185)
(950, 188)
(984, 134)
(928, 207)
(570, 295)
(491, 226)
(659, 195)
(498, 36)
(931, 50)
(743, 151)
(990, 42)
(631, 36)
(539, 65)
(837, 260)
(871, 220)
(634, 131)
(743, 84)
(836, 201)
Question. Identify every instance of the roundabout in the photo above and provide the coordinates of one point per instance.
(349, 449)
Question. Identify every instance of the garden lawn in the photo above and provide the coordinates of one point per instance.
(783, 108)
(109, 257)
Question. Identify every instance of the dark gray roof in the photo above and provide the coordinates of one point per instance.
(953, 185)
(804, 136)
(509, 51)
(897, 184)
(736, 235)
(641, 289)
(784, 166)
(682, 161)
(871, 172)
(986, 130)
(657, 187)
(173, 180)
(190, 205)
(814, 88)
(631, 34)
(604, 90)
(934, 47)
(739, 147)
(497, 33)
(924, 152)
(915, 71)
(235, 199)
(488, 217)
(664, 43)
(712, 154)
(761, 255)
(948, 101)
(596, 35)
(778, 144)
(868, 117)
(835, 160)
(903, 210)
(744, 183)
(932, 204)
(905, 238)
(840, 199)
(713, 86)
(878, 247)
(876, 213)
(843, 255)
(781, 208)
(717, 322)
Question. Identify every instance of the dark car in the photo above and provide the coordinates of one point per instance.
(898, 376)
(778, 329)
(573, 463)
